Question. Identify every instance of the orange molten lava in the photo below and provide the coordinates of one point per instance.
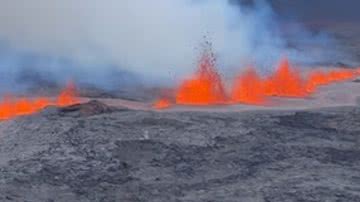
(162, 104)
(206, 86)
(67, 96)
(318, 78)
(11, 107)
(203, 88)
(285, 82)
(248, 88)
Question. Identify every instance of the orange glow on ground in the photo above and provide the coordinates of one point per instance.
(162, 104)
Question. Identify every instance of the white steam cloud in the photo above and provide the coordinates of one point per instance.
(154, 38)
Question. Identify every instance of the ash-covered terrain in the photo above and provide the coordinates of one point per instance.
(93, 152)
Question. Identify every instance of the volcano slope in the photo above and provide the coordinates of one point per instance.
(92, 152)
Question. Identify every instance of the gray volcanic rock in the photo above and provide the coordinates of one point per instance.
(127, 155)
(90, 108)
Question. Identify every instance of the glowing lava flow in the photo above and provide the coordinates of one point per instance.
(318, 78)
(11, 107)
(206, 86)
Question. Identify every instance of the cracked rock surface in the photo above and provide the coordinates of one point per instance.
(97, 153)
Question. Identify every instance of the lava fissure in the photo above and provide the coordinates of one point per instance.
(206, 86)
(11, 107)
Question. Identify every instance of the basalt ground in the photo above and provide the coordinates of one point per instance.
(93, 152)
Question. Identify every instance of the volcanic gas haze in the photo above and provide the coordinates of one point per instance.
(153, 39)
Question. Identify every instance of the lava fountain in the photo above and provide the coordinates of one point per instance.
(248, 88)
(285, 82)
(206, 87)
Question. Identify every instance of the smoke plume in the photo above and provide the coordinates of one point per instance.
(156, 39)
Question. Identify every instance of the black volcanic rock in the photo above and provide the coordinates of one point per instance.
(132, 155)
(90, 108)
